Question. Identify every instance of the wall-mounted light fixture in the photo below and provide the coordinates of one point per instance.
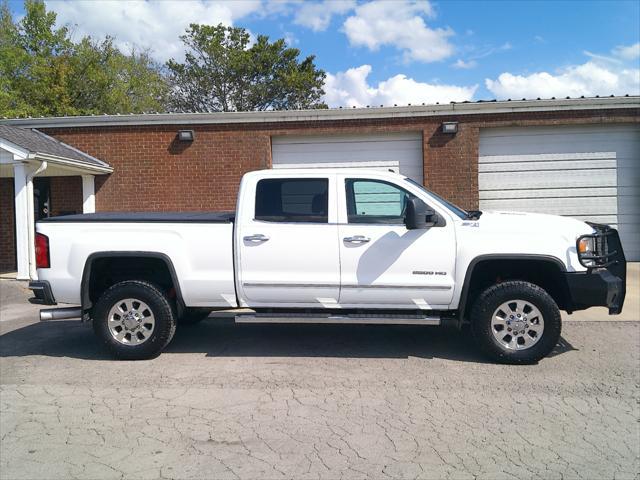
(186, 135)
(449, 127)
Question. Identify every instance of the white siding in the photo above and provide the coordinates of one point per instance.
(587, 172)
(397, 151)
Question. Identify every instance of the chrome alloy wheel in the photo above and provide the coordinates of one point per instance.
(517, 325)
(131, 321)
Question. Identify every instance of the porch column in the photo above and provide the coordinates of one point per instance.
(20, 171)
(88, 194)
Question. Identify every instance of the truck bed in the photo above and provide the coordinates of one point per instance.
(146, 217)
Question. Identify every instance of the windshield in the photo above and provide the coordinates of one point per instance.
(454, 208)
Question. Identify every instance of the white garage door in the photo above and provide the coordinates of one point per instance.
(586, 172)
(401, 152)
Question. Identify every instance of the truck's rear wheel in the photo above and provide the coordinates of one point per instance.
(516, 322)
(134, 319)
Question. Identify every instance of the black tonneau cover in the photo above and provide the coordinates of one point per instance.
(145, 217)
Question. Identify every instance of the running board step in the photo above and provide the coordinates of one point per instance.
(337, 319)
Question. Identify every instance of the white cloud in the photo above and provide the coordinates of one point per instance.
(461, 64)
(488, 51)
(317, 16)
(614, 74)
(589, 79)
(602, 58)
(630, 52)
(351, 88)
(400, 24)
(155, 25)
(291, 39)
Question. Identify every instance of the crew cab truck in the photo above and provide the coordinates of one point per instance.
(329, 246)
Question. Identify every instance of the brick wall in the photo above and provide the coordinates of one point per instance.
(7, 226)
(154, 172)
(66, 195)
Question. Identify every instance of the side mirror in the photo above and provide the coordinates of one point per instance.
(419, 215)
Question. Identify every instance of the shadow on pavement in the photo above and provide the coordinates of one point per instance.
(217, 338)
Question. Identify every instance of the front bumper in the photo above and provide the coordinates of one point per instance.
(42, 294)
(599, 288)
(605, 281)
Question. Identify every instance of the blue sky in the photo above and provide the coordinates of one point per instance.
(404, 51)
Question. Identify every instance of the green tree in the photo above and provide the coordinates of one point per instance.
(44, 73)
(107, 81)
(223, 72)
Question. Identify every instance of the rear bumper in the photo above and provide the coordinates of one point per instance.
(42, 294)
(598, 288)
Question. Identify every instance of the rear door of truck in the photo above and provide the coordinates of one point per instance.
(287, 241)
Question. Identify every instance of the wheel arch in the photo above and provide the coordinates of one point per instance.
(88, 270)
(485, 263)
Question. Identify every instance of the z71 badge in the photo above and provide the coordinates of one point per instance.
(428, 272)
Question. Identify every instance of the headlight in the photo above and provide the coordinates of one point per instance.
(586, 245)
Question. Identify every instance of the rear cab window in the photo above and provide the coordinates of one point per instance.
(297, 200)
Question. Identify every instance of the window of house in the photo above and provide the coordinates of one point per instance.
(292, 200)
(375, 201)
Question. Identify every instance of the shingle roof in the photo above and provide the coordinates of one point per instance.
(36, 142)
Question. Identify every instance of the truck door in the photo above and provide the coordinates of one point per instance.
(287, 243)
(383, 264)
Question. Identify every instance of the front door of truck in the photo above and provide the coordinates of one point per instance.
(383, 264)
(288, 243)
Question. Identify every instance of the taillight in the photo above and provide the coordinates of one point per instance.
(42, 251)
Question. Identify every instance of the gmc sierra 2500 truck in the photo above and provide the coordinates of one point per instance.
(329, 246)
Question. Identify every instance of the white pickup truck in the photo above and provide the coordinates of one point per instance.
(329, 246)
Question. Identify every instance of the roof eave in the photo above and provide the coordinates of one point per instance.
(335, 114)
(68, 162)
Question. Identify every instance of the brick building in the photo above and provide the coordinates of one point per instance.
(576, 157)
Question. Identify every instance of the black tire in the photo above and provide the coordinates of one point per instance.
(497, 295)
(191, 316)
(160, 307)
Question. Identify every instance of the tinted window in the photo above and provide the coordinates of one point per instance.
(292, 200)
(371, 201)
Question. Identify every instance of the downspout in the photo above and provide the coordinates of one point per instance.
(31, 219)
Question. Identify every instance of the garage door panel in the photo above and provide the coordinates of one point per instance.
(399, 151)
(548, 131)
(400, 148)
(582, 138)
(557, 193)
(547, 165)
(347, 156)
(575, 207)
(574, 178)
(606, 219)
(550, 157)
(590, 172)
(553, 143)
(347, 138)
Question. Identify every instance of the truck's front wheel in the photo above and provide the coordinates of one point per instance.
(134, 319)
(516, 322)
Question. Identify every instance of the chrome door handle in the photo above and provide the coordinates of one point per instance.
(258, 237)
(357, 239)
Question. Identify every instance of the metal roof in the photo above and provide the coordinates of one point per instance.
(333, 114)
(45, 147)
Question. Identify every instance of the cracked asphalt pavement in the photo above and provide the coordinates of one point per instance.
(287, 401)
